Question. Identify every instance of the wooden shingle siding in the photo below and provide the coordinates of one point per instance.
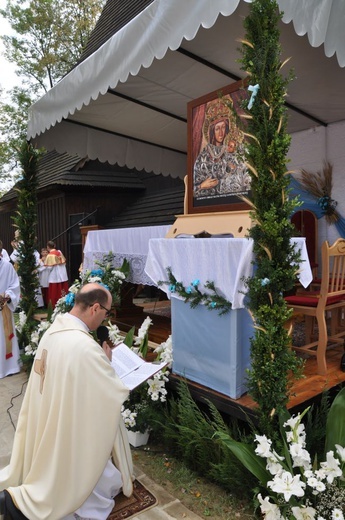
(115, 15)
(152, 210)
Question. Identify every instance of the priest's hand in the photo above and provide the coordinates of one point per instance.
(107, 350)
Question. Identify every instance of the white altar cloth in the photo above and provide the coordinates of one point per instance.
(129, 243)
(224, 261)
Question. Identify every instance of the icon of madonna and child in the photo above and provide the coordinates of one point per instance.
(219, 171)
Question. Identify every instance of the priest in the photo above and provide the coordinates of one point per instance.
(70, 455)
(9, 298)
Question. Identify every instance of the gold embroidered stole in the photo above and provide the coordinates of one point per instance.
(8, 330)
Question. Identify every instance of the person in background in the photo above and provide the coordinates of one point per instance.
(9, 298)
(43, 275)
(71, 454)
(4, 253)
(58, 277)
(14, 256)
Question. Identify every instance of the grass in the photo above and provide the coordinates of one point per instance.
(196, 493)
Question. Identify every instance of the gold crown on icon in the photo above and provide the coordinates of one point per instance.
(216, 111)
(219, 110)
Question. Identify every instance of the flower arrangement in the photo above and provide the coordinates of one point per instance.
(295, 487)
(192, 294)
(108, 276)
(139, 410)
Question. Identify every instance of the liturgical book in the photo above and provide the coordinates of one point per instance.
(131, 368)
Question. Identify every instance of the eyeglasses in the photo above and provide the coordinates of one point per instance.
(108, 311)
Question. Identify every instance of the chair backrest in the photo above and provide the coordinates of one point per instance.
(333, 268)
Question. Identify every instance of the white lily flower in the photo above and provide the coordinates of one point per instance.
(292, 422)
(269, 510)
(263, 448)
(273, 463)
(143, 330)
(303, 513)
(300, 456)
(331, 467)
(287, 484)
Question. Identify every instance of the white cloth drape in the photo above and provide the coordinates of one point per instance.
(224, 261)
(128, 243)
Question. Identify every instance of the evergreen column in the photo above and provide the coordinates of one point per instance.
(272, 360)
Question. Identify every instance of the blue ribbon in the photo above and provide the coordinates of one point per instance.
(254, 90)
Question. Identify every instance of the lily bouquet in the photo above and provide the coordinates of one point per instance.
(295, 486)
(144, 402)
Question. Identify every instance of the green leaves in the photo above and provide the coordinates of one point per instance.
(246, 455)
(335, 426)
(195, 297)
(272, 359)
(25, 221)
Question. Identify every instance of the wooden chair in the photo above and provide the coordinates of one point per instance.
(329, 298)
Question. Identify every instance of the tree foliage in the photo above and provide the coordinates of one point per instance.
(49, 36)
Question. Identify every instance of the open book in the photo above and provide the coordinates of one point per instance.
(132, 369)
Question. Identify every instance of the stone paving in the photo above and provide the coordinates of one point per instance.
(12, 389)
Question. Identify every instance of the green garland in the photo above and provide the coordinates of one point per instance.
(193, 295)
(25, 221)
(272, 360)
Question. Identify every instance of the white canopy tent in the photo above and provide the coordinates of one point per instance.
(127, 102)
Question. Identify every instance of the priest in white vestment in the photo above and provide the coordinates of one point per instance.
(9, 289)
(71, 453)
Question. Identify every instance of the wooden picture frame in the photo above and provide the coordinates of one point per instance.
(217, 177)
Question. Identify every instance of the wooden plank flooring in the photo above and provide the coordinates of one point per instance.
(311, 385)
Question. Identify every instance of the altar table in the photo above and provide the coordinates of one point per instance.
(129, 243)
(210, 349)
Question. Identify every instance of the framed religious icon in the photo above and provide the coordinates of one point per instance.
(217, 176)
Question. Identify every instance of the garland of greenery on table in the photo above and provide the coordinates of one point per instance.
(192, 294)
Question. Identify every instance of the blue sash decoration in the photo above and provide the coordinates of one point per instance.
(311, 203)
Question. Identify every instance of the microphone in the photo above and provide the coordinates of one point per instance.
(102, 334)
